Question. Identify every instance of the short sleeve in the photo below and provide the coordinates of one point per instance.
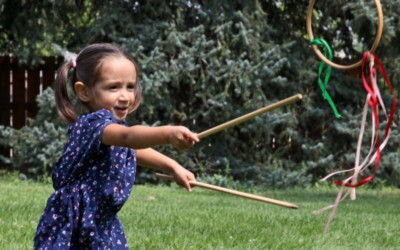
(89, 129)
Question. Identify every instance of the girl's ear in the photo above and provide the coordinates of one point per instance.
(82, 91)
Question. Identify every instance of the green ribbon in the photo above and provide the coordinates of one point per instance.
(322, 85)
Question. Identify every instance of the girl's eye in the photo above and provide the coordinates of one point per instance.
(113, 87)
(131, 87)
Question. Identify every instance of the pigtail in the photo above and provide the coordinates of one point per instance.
(64, 106)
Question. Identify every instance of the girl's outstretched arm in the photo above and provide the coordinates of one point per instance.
(140, 137)
(151, 158)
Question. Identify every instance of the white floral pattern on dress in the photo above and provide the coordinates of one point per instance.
(82, 212)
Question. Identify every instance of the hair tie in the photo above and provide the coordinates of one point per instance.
(74, 64)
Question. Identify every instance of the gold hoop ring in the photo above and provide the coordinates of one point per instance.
(338, 66)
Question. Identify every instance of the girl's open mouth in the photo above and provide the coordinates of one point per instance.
(121, 108)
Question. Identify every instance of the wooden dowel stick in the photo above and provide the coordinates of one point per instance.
(249, 116)
(233, 192)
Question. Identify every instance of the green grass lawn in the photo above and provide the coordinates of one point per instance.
(170, 218)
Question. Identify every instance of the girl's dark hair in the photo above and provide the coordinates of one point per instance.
(88, 65)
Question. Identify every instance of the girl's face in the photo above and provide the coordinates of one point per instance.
(114, 89)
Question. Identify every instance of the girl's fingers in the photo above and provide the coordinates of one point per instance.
(187, 186)
(192, 137)
(184, 139)
(195, 138)
(189, 144)
(182, 178)
(189, 177)
(186, 144)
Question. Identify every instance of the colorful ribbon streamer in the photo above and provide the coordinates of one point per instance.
(373, 97)
(372, 89)
(322, 85)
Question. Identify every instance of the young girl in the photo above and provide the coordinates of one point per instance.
(94, 176)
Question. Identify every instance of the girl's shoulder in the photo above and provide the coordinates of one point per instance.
(102, 114)
(95, 119)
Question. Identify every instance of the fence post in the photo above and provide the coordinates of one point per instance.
(18, 90)
(5, 70)
(49, 71)
(32, 91)
(5, 90)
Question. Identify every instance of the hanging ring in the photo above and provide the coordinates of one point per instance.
(338, 66)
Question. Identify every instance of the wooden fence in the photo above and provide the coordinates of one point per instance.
(19, 86)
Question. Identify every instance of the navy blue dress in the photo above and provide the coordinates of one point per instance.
(92, 181)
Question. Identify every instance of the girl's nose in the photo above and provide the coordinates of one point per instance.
(123, 95)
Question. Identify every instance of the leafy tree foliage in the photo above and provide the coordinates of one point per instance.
(203, 63)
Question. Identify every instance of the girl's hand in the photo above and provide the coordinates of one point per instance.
(182, 177)
(182, 138)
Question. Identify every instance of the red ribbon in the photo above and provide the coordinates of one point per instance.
(374, 105)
